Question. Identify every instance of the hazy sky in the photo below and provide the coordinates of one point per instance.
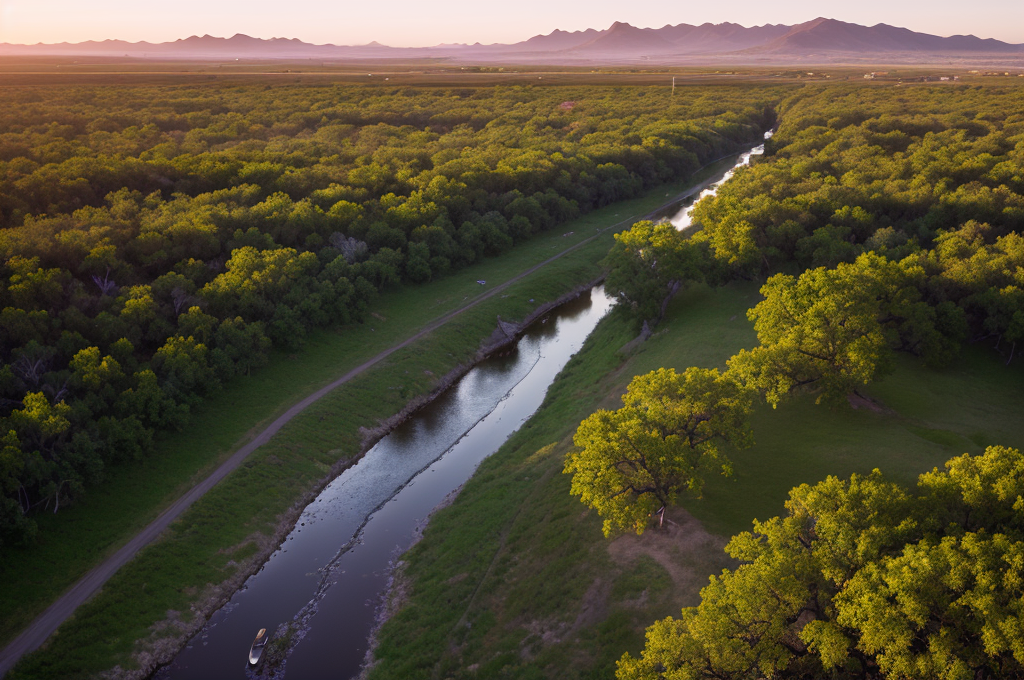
(422, 22)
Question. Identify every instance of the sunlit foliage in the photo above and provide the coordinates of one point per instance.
(631, 463)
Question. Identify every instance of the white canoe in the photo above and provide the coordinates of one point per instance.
(256, 651)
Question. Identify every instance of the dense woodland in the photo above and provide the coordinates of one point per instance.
(918, 190)
(880, 220)
(156, 242)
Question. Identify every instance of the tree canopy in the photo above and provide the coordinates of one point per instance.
(667, 436)
(834, 330)
(648, 264)
(932, 180)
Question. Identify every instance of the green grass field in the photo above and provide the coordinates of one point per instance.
(212, 542)
(515, 578)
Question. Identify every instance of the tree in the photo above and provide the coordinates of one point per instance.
(821, 332)
(15, 527)
(184, 369)
(833, 330)
(631, 463)
(42, 425)
(151, 404)
(862, 579)
(647, 265)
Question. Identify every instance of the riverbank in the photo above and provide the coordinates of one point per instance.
(502, 338)
(411, 471)
(515, 578)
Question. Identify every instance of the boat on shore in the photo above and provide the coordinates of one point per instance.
(256, 651)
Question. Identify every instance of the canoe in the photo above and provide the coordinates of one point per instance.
(256, 651)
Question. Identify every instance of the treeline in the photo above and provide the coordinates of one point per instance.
(931, 179)
(156, 242)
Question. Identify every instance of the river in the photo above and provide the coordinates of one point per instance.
(679, 213)
(331, 571)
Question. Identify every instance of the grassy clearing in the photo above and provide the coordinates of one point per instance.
(197, 551)
(515, 579)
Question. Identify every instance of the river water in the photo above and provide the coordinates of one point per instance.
(331, 571)
(679, 215)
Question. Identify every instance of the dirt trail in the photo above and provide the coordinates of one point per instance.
(46, 623)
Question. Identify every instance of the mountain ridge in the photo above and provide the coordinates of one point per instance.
(620, 42)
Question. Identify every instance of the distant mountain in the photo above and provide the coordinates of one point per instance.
(725, 37)
(556, 41)
(839, 36)
(825, 40)
(623, 38)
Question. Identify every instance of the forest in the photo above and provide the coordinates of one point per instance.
(156, 242)
(879, 223)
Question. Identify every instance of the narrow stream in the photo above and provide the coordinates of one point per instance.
(331, 570)
(679, 215)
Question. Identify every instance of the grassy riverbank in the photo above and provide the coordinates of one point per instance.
(226, 533)
(515, 578)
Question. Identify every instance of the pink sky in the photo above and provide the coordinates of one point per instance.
(417, 23)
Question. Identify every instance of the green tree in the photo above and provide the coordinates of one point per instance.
(183, 366)
(631, 463)
(647, 265)
(819, 332)
(15, 527)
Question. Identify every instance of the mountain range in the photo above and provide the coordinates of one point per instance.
(820, 41)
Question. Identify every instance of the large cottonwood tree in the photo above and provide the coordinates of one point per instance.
(630, 463)
(648, 264)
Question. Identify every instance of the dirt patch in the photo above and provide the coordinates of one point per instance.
(682, 547)
(551, 631)
(594, 607)
(687, 552)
